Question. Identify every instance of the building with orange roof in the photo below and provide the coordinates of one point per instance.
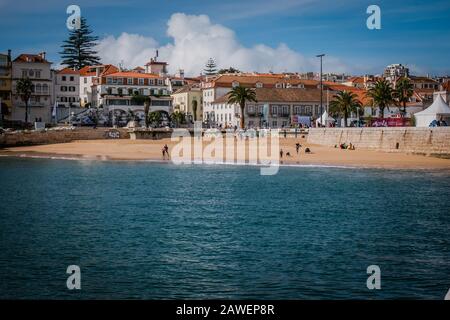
(115, 91)
(275, 108)
(36, 68)
(89, 77)
(222, 84)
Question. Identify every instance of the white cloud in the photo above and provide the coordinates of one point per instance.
(195, 39)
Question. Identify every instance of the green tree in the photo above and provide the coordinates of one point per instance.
(155, 118)
(240, 95)
(403, 91)
(143, 100)
(78, 50)
(210, 67)
(382, 95)
(229, 70)
(178, 118)
(344, 103)
(24, 89)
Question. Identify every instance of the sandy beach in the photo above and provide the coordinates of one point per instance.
(151, 150)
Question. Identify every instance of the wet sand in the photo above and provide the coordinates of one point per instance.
(152, 150)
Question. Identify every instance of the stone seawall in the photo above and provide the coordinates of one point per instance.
(430, 141)
(14, 139)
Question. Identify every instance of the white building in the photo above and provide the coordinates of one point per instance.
(275, 108)
(395, 71)
(116, 91)
(89, 77)
(67, 88)
(37, 69)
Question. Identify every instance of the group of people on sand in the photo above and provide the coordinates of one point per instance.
(297, 149)
(346, 146)
(165, 152)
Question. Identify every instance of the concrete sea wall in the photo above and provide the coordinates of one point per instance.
(430, 141)
(12, 139)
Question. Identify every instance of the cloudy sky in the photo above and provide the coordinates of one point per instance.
(251, 35)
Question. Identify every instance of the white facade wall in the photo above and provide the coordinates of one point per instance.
(41, 102)
(67, 90)
(85, 90)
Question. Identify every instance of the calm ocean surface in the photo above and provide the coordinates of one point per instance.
(152, 231)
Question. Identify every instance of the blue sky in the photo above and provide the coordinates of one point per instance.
(415, 33)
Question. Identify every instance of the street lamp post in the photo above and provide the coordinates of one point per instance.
(321, 87)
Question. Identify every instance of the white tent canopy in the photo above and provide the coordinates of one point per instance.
(434, 112)
(325, 119)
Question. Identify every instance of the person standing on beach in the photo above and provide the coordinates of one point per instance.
(297, 147)
(163, 153)
(281, 153)
(166, 149)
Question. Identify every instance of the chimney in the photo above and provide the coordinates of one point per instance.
(9, 55)
(42, 54)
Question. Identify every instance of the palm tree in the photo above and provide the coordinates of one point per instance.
(146, 101)
(154, 118)
(344, 103)
(403, 91)
(24, 89)
(178, 118)
(239, 95)
(381, 95)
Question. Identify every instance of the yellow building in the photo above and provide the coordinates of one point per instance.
(186, 100)
(5, 85)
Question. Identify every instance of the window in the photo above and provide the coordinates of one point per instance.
(109, 81)
(85, 80)
(38, 88)
(120, 81)
(251, 109)
(72, 89)
(235, 84)
(63, 88)
(72, 78)
(38, 73)
(302, 110)
(130, 91)
(316, 109)
(150, 82)
(278, 85)
(274, 110)
(259, 85)
(141, 82)
(308, 110)
(130, 81)
(31, 73)
(160, 82)
(85, 90)
(285, 111)
(274, 124)
(24, 73)
(63, 78)
(45, 88)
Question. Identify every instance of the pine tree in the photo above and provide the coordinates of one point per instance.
(210, 67)
(78, 48)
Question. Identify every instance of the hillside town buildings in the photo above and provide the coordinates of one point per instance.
(284, 99)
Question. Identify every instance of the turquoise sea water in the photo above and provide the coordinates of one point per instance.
(146, 230)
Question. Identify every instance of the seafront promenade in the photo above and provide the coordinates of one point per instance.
(323, 144)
